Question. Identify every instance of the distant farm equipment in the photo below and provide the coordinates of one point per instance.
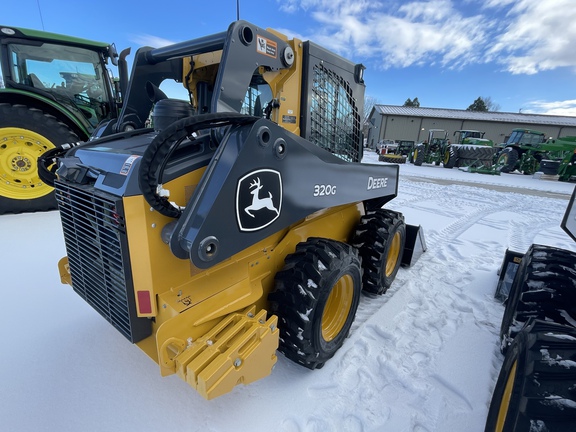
(470, 149)
(432, 150)
(528, 151)
(402, 153)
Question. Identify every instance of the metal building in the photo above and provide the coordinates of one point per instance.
(411, 123)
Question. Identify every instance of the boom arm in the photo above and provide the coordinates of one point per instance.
(263, 179)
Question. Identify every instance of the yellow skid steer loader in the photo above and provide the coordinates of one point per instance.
(243, 222)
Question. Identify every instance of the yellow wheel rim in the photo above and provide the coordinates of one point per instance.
(393, 254)
(19, 152)
(337, 308)
(505, 402)
(415, 154)
(446, 157)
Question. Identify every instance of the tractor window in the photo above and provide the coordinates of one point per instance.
(515, 137)
(74, 76)
(15, 71)
(533, 138)
(522, 137)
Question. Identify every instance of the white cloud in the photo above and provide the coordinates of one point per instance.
(559, 108)
(396, 34)
(150, 40)
(539, 35)
(526, 36)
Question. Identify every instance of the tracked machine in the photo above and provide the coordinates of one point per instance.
(536, 386)
(243, 223)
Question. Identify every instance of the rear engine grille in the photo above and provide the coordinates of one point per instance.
(97, 248)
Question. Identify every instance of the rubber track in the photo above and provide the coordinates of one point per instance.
(544, 288)
(544, 396)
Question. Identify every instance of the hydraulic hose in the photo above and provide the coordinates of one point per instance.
(163, 146)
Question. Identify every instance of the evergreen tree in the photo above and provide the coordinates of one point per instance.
(478, 105)
(412, 103)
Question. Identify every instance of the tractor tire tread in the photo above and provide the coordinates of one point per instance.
(42, 123)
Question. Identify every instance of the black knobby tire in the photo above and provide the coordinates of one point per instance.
(478, 156)
(450, 157)
(536, 386)
(419, 154)
(25, 134)
(544, 288)
(380, 238)
(476, 152)
(315, 298)
(507, 160)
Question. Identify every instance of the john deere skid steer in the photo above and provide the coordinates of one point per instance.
(243, 223)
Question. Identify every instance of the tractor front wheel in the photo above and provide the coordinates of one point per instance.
(315, 298)
(507, 160)
(450, 157)
(419, 154)
(25, 134)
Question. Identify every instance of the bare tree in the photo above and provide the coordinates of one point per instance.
(369, 102)
(490, 104)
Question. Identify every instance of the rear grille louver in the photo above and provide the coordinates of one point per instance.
(97, 248)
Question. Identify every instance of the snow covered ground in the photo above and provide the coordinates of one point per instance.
(421, 358)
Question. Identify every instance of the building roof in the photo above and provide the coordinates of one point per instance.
(475, 115)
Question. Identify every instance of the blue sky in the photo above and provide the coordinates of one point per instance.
(520, 53)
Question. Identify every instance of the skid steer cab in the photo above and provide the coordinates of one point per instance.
(243, 222)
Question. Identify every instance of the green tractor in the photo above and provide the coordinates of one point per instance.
(432, 150)
(54, 90)
(528, 151)
(470, 149)
(471, 137)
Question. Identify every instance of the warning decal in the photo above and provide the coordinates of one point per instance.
(266, 47)
(128, 165)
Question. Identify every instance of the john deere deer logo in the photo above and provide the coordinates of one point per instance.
(259, 203)
(258, 199)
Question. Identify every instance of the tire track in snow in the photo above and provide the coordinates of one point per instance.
(397, 339)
